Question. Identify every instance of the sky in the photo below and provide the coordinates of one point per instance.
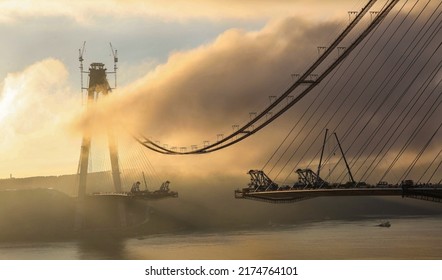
(187, 71)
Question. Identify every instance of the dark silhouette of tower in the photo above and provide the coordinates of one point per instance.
(98, 85)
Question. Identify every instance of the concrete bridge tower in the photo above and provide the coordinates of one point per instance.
(98, 85)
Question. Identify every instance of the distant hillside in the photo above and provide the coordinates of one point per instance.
(64, 183)
(68, 184)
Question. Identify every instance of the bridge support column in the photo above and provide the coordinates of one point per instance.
(97, 84)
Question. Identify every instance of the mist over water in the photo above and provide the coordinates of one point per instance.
(408, 238)
(206, 222)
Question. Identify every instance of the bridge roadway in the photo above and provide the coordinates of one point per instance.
(146, 195)
(280, 196)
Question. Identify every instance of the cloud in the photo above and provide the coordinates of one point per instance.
(200, 93)
(35, 106)
(86, 11)
(218, 84)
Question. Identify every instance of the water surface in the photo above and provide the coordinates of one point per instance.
(407, 238)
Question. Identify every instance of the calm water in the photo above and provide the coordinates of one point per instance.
(407, 238)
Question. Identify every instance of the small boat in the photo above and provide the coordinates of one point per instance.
(385, 224)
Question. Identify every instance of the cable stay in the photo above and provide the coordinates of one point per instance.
(398, 116)
(253, 125)
(307, 178)
(324, 99)
(351, 106)
(138, 176)
(381, 90)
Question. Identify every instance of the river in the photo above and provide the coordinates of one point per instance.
(412, 237)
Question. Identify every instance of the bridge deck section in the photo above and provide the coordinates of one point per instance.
(426, 193)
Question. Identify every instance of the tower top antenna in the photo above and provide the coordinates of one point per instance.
(115, 55)
(80, 53)
(81, 59)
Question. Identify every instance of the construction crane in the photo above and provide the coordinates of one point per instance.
(115, 55)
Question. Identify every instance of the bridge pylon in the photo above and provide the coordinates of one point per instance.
(98, 85)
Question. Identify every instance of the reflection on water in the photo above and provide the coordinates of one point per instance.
(38, 251)
(101, 248)
(407, 238)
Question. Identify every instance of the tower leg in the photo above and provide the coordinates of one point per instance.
(84, 164)
(113, 150)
